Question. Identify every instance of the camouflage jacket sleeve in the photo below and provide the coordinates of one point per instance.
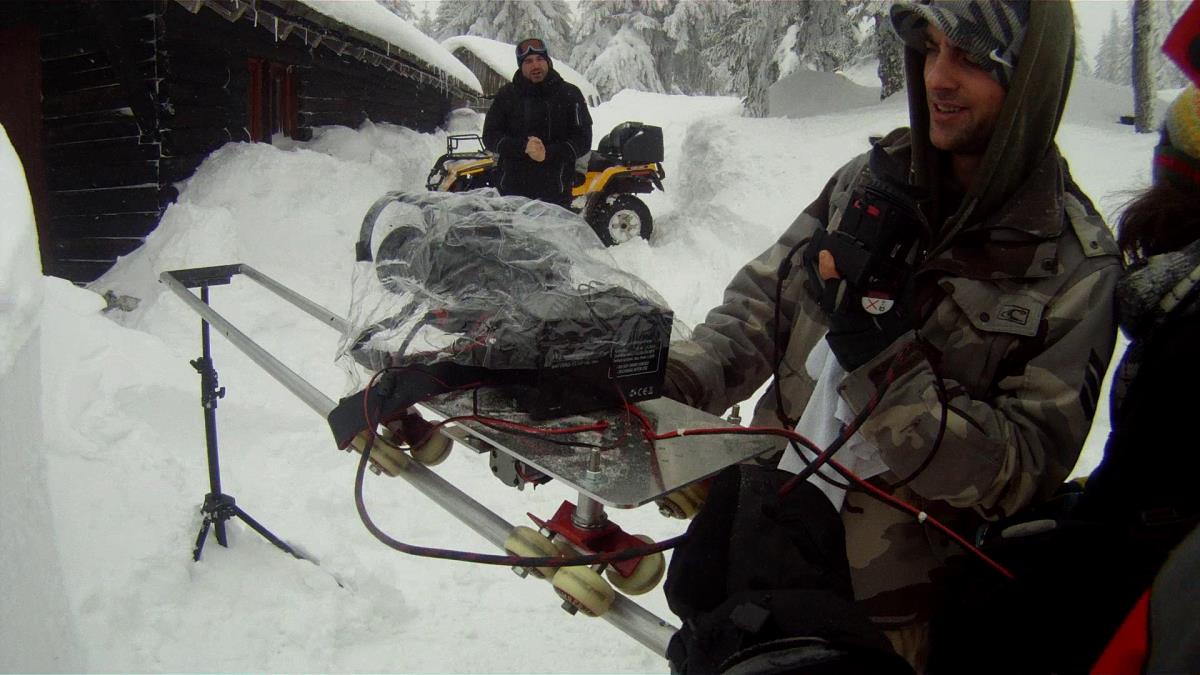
(1017, 410)
(730, 354)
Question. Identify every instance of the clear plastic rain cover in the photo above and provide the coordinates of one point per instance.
(497, 282)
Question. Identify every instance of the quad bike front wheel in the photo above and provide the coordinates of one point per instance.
(622, 219)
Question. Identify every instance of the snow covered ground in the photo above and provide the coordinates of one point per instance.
(103, 443)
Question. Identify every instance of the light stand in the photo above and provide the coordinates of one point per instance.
(218, 507)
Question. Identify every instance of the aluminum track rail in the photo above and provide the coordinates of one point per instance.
(625, 614)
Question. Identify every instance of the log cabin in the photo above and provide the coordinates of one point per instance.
(110, 103)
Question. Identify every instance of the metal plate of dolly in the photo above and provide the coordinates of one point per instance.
(632, 471)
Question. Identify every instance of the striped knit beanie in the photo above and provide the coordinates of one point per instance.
(990, 31)
(1177, 156)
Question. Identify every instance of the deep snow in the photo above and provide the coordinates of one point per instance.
(103, 446)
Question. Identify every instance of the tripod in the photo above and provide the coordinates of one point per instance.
(218, 507)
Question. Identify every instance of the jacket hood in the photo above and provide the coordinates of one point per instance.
(1026, 126)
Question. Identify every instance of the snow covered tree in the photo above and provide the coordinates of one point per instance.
(617, 44)
(731, 29)
(813, 34)
(426, 23)
(401, 8)
(885, 45)
(1083, 65)
(461, 17)
(770, 52)
(684, 69)
(826, 38)
(1167, 75)
(1113, 59)
(507, 21)
(1143, 82)
(550, 20)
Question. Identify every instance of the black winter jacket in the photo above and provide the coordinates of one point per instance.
(553, 110)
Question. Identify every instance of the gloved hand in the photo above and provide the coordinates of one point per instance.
(861, 325)
(860, 270)
(858, 339)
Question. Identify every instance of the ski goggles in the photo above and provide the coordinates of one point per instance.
(530, 46)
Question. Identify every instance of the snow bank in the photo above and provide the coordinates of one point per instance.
(805, 93)
(37, 628)
(20, 262)
(1096, 102)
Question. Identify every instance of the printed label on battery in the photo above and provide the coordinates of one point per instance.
(636, 358)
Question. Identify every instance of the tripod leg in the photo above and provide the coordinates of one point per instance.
(200, 539)
(219, 526)
(254, 525)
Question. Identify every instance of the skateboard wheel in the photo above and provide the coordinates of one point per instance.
(385, 456)
(529, 543)
(433, 451)
(646, 575)
(585, 589)
(678, 504)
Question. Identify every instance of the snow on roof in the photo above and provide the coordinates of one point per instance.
(375, 19)
(501, 57)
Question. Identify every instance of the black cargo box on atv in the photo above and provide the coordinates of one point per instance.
(634, 143)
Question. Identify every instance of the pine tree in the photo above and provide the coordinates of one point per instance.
(1143, 82)
(885, 45)
(772, 25)
(1166, 74)
(1113, 61)
(426, 23)
(617, 44)
(462, 17)
(550, 20)
(685, 69)
(1083, 65)
(731, 28)
(401, 8)
(507, 21)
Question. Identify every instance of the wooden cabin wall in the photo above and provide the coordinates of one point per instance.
(207, 83)
(136, 94)
(98, 76)
(489, 80)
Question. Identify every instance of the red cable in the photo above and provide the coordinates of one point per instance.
(895, 501)
(922, 518)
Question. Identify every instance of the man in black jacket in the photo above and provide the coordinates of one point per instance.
(539, 125)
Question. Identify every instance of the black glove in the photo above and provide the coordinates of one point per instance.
(862, 326)
(875, 245)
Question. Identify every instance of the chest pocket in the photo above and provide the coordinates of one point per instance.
(977, 325)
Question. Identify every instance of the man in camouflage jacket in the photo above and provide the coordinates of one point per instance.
(1014, 313)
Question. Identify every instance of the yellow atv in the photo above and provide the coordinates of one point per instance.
(626, 162)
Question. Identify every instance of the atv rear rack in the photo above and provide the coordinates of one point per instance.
(625, 614)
